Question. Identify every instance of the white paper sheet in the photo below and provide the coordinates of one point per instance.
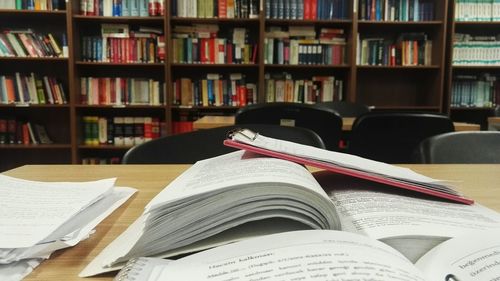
(30, 211)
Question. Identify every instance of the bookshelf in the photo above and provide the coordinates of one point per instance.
(242, 69)
(473, 61)
(394, 82)
(25, 69)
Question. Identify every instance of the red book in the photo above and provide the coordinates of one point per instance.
(203, 50)
(314, 9)
(307, 9)
(372, 12)
(222, 5)
(152, 8)
(211, 50)
(229, 53)
(242, 95)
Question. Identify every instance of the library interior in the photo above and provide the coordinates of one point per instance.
(123, 98)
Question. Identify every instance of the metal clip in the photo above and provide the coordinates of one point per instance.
(244, 132)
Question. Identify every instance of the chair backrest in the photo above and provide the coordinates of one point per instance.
(393, 137)
(460, 148)
(345, 108)
(190, 147)
(323, 121)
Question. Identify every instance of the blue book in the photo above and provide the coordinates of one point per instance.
(143, 8)
(117, 8)
(134, 8)
(126, 8)
(31, 5)
(210, 88)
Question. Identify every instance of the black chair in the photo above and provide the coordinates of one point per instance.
(190, 147)
(393, 137)
(471, 147)
(345, 108)
(323, 121)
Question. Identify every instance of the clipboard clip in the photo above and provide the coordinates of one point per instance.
(248, 134)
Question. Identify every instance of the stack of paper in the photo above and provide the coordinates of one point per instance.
(37, 218)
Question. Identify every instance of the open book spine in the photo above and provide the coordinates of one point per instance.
(350, 172)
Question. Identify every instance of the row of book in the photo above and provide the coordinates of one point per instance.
(35, 5)
(31, 88)
(301, 45)
(477, 10)
(214, 90)
(475, 91)
(215, 8)
(283, 88)
(13, 131)
(27, 43)
(123, 50)
(476, 50)
(122, 8)
(203, 44)
(306, 9)
(121, 130)
(396, 10)
(121, 91)
(118, 44)
(409, 49)
(101, 161)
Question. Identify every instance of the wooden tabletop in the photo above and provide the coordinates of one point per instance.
(479, 182)
(207, 122)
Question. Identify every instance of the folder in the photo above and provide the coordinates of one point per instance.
(343, 163)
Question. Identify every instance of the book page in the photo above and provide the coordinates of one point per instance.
(296, 255)
(234, 169)
(471, 257)
(382, 212)
(370, 208)
(30, 211)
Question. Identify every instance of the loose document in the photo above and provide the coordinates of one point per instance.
(38, 218)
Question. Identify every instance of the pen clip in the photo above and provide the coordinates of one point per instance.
(248, 134)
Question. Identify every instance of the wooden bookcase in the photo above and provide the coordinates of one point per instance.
(416, 87)
(56, 118)
(459, 23)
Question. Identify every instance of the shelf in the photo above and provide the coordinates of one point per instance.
(31, 59)
(410, 108)
(471, 108)
(399, 23)
(30, 105)
(118, 19)
(123, 64)
(477, 23)
(224, 107)
(35, 146)
(398, 67)
(213, 65)
(313, 66)
(336, 22)
(236, 21)
(476, 67)
(120, 106)
(31, 12)
(104, 147)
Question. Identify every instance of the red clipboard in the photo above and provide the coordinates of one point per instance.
(351, 172)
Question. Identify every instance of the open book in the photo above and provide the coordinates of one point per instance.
(327, 255)
(241, 195)
(342, 163)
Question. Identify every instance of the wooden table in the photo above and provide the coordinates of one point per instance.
(207, 122)
(494, 123)
(475, 181)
